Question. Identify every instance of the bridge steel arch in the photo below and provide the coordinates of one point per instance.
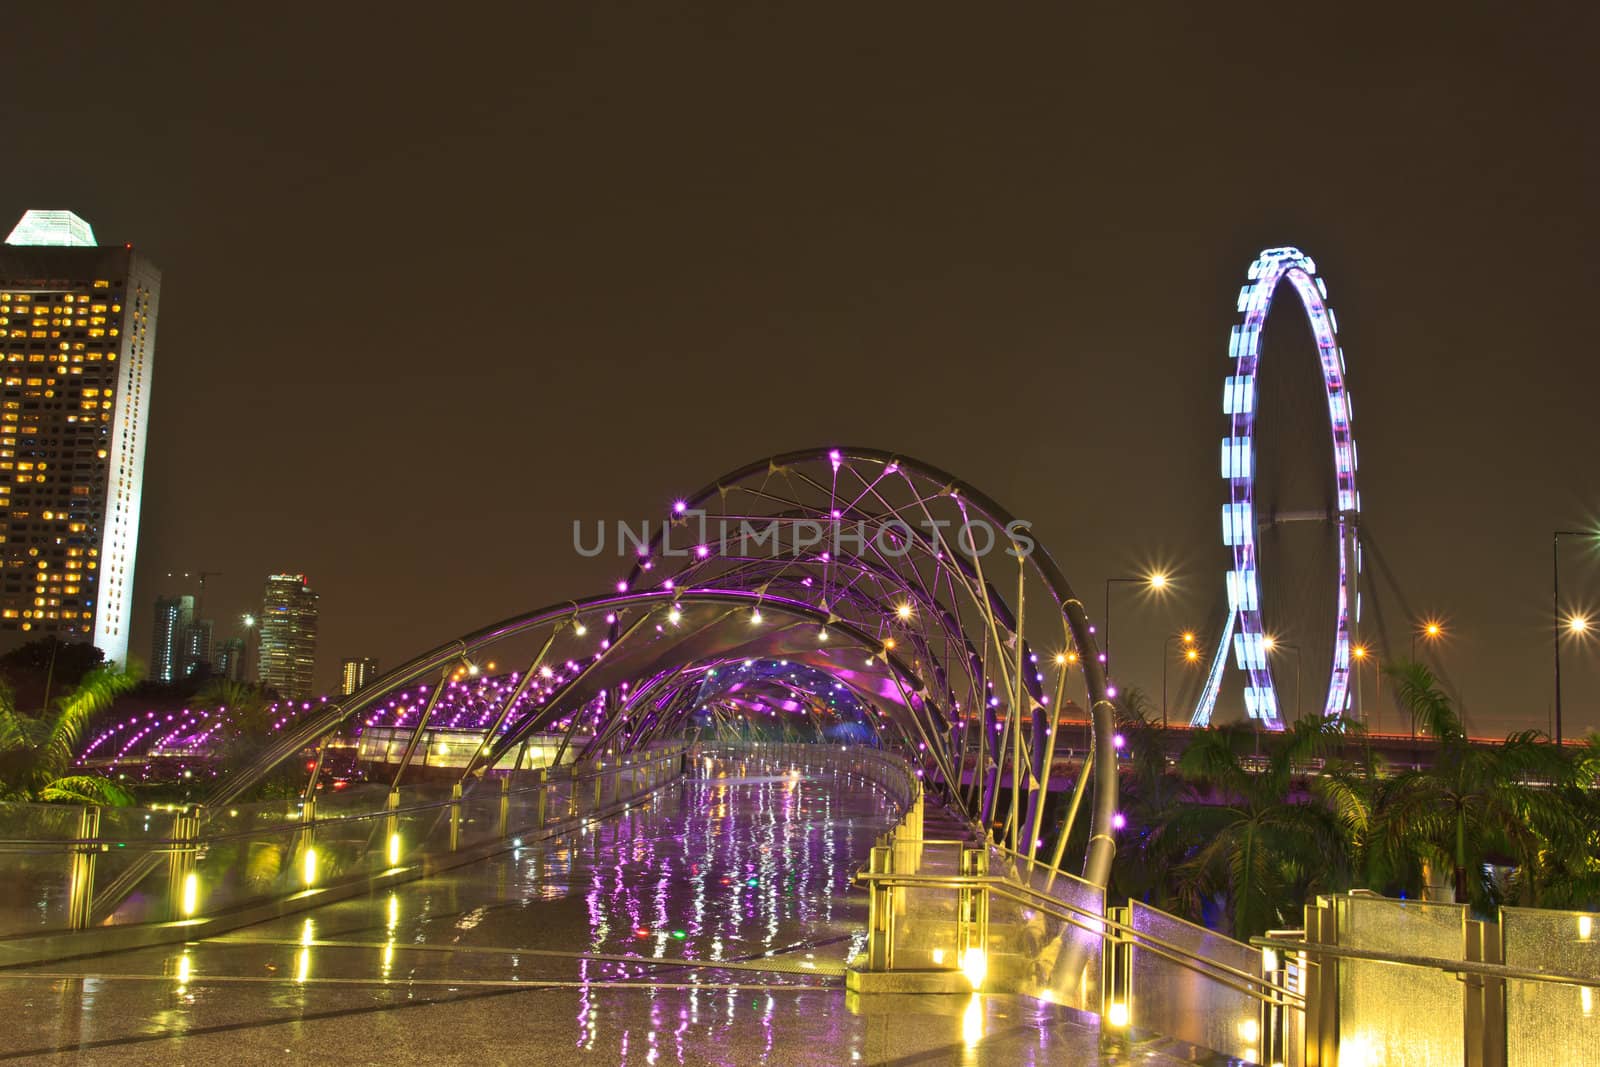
(879, 577)
(1243, 634)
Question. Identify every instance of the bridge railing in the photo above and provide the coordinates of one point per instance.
(1002, 924)
(968, 915)
(1418, 982)
(127, 876)
(1370, 981)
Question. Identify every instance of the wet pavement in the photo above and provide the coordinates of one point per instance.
(707, 925)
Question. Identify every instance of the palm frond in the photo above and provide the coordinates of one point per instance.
(92, 696)
(1429, 707)
(86, 789)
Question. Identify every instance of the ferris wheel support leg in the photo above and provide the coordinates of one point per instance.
(1350, 538)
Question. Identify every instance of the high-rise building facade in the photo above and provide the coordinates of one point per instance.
(355, 672)
(197, 648)
(77, 341)
(289, 636)
(174, 617)
(230, 659)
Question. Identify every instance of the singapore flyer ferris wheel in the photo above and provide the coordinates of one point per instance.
(1263, 530)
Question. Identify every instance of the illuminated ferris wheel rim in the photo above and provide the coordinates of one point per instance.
(1243, 633)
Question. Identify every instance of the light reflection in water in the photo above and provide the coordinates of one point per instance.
(972, 1022)
(302, 961)
(721, 869)
(391, 921)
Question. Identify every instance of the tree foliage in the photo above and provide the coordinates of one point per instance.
(36, 750)
(1245, 829)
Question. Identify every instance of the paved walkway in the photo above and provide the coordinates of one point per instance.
(709, 925)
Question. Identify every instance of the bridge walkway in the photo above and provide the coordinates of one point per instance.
(709, 924)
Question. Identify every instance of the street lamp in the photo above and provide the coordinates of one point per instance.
(1429, 630)
(1576, 626)
(1361, 653)
(1272, 644)
(249, 623)
(1191, 656)
(1555, 609)
(1156, 581)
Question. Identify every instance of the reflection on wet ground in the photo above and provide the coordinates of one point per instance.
(707, 925)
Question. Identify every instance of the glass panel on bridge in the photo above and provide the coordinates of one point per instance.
(1175, 1000)
(1548, 1023)
(1389, 1014)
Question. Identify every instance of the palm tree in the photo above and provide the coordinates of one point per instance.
(1245, 838)
(36, 750)
(1383, 857)
(249, 709)
(1146, 793)
(1518, 803)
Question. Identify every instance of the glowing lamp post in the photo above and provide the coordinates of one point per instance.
(249, 624)
(1191, 656)
(1430, 630)
(1555, 611)
(1576, 626)
(1361, 653)
(1156, 582)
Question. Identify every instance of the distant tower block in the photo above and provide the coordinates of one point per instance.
(289, 636)
(355, 672)
(174, 617)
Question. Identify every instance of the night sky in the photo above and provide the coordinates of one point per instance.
(436, 283)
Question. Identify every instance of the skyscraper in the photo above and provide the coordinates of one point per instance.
(230, 659)
(355, 672)
(77, 338)
(174, 616)
(197, 648)
(289, 636)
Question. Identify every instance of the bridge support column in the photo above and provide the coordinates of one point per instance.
(880, 912)
(972, 905)
(1275, 1029)
(1485, 1036)
(503, 826)
(455, 816)
(916, 834)
(306, 852)
(1320, 982)
(80, 903)
(1116, 963)
(180, 862)
(391, 829)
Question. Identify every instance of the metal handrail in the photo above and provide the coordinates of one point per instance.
(292, 822)
(1054, 872)
(1462, 967)
(113, 894)
(1096, 924)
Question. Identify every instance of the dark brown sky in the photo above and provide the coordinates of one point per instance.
(437, 284)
